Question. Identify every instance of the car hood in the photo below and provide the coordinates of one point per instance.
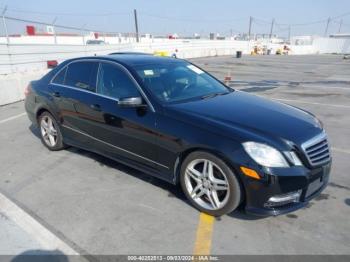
(243, 114)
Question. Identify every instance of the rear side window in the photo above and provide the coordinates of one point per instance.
(59, 78)
(82, 75)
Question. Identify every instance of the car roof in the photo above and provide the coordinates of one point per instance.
(129, 53)
(134, 59)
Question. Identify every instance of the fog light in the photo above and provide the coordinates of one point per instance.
(280, 200)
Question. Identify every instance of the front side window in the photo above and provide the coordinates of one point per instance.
(114, 82)
(180, 81)
(82, 75)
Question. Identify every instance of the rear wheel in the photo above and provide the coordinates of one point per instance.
(50, 132)
(210, 184)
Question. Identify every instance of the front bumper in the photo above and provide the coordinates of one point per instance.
(278, 181)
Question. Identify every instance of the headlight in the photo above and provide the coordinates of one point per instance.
(319, 122)
(265, 155)
(292, 156)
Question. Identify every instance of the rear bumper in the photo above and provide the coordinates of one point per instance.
(310, 183)
(29, 106)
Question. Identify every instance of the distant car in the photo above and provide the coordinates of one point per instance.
(171, 119)
(95, 42)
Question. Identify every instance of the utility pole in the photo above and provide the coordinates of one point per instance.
(5, 26)
(271, 30)
(136, 26)
(250, 27)
(340, 25)
(327, 25)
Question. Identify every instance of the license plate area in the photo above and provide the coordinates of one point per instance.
(314, 186)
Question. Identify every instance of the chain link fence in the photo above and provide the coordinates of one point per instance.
(20, 31)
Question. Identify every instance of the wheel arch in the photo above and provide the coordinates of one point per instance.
(182, 156)
(41, 110)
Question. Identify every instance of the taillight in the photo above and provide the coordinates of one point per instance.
(27, 90)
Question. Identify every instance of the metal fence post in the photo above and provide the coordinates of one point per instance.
(54, 30)
(83, 30)
(5, 26)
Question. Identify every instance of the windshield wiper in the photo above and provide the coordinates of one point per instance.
(214, 95)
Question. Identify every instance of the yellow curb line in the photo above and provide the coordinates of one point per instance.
(202, 245)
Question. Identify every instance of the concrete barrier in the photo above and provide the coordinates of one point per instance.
(12, 85)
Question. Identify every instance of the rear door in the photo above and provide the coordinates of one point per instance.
(73, 90)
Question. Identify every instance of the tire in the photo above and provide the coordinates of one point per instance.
(221, 179)
(47, 131)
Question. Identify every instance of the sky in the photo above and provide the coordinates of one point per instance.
(185, 17)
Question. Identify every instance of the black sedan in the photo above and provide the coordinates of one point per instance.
(171, 119)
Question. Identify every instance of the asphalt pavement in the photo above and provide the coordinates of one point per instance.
(98, 206)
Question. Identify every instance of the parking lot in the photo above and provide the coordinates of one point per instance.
(98, 206)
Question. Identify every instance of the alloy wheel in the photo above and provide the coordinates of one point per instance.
(207, 184)
(48, 131)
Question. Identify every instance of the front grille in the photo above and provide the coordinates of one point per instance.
(317, 150)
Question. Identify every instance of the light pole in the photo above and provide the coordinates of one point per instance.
(271, 30)
(327, 25)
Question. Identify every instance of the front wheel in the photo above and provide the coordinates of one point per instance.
(210, 184)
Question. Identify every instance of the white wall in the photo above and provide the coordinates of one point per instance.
(20, 63)
(332, 45)
(30, 57)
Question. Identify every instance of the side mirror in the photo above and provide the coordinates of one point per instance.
(131, 102)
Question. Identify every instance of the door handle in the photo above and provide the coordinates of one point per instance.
(95, 107)
(56, 94)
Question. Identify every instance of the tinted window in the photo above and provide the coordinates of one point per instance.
(114, 82)
(82, 75)
(175, 82)
(59, 79)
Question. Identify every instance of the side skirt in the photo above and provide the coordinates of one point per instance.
(132, 164)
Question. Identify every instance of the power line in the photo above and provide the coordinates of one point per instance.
(17, 10)
(56, 25)
(254, 21)
(304, 24)
(191, 19)
(261, 21)
(341, 16)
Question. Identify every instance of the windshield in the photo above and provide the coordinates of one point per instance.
(180, 81)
